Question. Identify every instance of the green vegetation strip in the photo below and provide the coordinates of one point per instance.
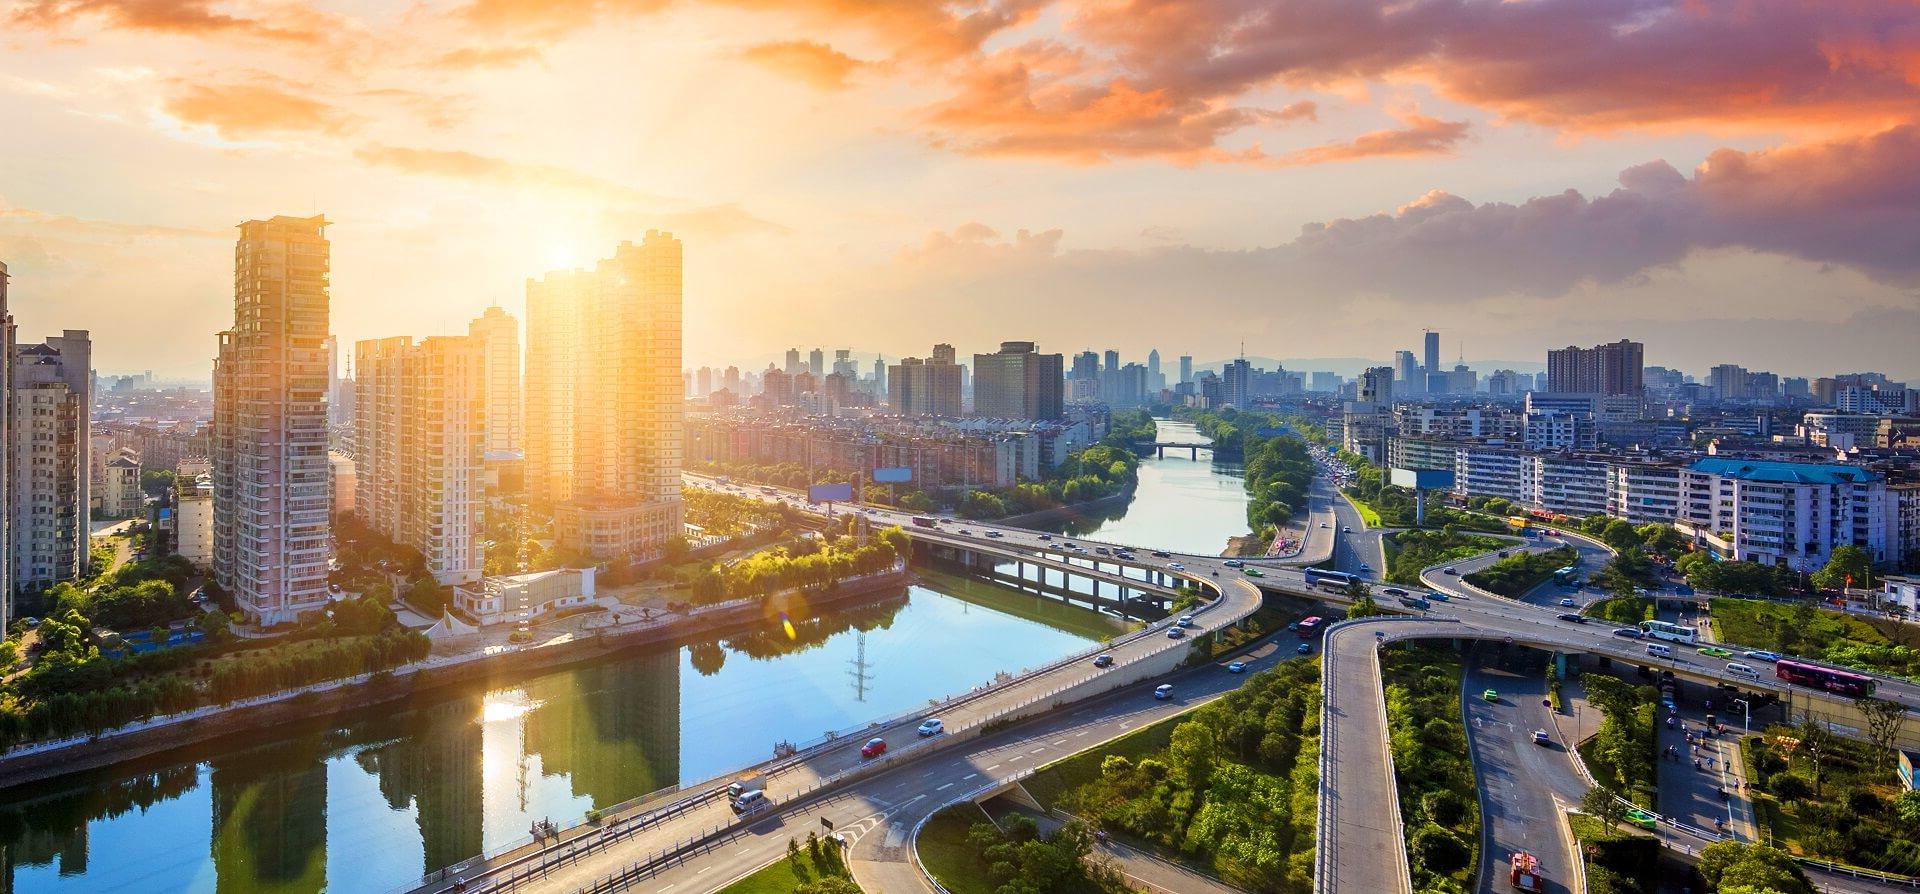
(1436, 782)
(1880, 645)
(1623, 609)
(1412, 551)
(1621, 755)
(1230, 789)
(1823, 796)
(813, 868)
(1515, 575)
(1618, 862)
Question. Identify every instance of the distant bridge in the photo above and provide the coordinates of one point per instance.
(1159, 448)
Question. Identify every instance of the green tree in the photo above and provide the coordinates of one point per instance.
(1847, 566)
(831, 884)
(1191, 751)
(1604, 804)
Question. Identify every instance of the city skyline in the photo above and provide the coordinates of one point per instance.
(936, 173)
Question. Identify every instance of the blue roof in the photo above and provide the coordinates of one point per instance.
(1776, 472)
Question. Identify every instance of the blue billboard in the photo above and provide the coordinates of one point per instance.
(893, 475)
(830, 493)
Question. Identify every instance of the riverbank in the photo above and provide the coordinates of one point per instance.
(36, 763)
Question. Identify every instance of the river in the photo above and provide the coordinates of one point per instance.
(1181, 504)
(369, 803)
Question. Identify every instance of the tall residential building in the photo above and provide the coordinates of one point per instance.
(420, 434)
(817, 362)
(931, 387)
(1431, 343)
(1186, 368)
(879, 375)
(604, 403)
(270, 469)
(1376, 386)
(1616, 368)
(1086, 365)
(1112, 362)
(793, 366)
(1019, 382)
(1728, 381)
(497, 335)
(6, 461)
(1237, 384)
(50, 403)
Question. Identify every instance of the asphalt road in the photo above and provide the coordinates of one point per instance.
(1519, 781)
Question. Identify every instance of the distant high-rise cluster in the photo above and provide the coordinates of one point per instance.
(1601, 369)
(1018, 382)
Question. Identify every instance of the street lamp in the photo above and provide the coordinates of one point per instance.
(1746, 715)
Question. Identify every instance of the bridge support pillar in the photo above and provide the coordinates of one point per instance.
(1194, 454)
(1560, 665)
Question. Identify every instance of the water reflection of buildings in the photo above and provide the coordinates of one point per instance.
(612, 729)
(270, 819)
(436, 765)
(54, 828)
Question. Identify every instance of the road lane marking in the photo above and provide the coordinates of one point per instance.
(968, 776)
(1017, 758)
(1038, 750)
(993, 768)
(944, 787)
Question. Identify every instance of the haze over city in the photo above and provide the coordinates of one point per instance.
(1726, 182)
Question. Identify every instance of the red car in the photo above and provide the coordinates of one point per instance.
(873, 748)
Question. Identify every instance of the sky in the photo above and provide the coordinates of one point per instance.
(1723, 181)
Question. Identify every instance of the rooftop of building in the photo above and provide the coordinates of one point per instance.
(1779, 472)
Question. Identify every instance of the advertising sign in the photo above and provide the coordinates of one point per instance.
(830, 493)
(893, 475)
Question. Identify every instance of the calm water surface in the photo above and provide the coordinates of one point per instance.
(372, 803)
(1180, 505)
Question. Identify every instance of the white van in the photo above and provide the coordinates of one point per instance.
(1742, 670)
(751, 801)
(1163, 691)
(1659, 651)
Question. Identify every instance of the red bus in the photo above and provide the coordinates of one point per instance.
(1836, 681)
(1308, 627)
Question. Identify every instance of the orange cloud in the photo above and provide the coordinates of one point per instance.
(244, 111)
(486, 57)
(818, 64)
(188, 17)
(1421, 136)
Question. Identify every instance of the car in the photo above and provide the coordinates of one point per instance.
(1761, 655)
(1503, 554)
(1069, 544)
(1237, 667)
(1103, 661)
(1163, 691)
(1175, 632)
(1568, 603)
(1395, 592)
(873, 512)
(1100, 551)
(1715, 652)
(1235, 563)
(1540, 737)
(1293, 627)
(993, 534)
(1161, 555)
(1570, 616)
(1642, 819)
(873, 748)
(1185, 621)
(931, 727)
(1304, 648)
(1176, 566)
(1255, 572)
(965, 531)
(1453, 571)
(1364, 567)
(1325, 525)
(1438, 596)
(1628, 632)
(1346, 529)
(1490, 695)
(1046, 537)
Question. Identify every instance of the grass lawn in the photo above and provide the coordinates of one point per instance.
(1830, 636)
(776, 879)
(1050, 782)
(1367, 513)
(944, 851)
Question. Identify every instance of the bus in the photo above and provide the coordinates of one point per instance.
(1308, 627)
(1337, 579)
(1670, 632)
(1837, 681)
(1567, 577)
(924, 521)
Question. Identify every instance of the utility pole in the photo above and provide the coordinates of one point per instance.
(859, 670)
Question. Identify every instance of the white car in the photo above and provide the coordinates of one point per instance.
(932, 727)
(1176, 566)
(1762, 655)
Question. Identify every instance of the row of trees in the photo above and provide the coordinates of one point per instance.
(726, 515)
(1279, 477)
(1621, 755)
(1017, 859)
(1417, 549)
(1435, 778)
(1097, 471)
(1234, 788)
(809, 564)
(263, 671)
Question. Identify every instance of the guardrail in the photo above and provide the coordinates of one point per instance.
(913, 838)
(515, 872)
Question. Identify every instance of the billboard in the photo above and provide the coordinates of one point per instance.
(893, 475)
(830, 493)
(1271, 432)
(1422, 479)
